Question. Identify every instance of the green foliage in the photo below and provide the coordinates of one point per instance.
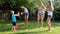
(57, 9)
(32, 5)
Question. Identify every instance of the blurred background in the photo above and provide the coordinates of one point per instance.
(32, 5)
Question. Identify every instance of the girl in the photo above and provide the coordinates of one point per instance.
(41, 13)
(50, 10)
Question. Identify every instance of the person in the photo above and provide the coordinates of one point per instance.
(40, 15)
(26, 12)
(14, 27)
(50, 10)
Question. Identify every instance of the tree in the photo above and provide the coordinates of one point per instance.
(57, 9)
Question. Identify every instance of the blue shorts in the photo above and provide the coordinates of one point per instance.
(14, 23)
(26, 14)
(49, 16)
(40, 14)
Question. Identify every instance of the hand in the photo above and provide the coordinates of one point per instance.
(21, 13)
(18, 13)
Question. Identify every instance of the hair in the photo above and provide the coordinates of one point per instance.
(11, 11)
(49, 2)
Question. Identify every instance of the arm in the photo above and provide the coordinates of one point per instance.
(18, 14)
(51, 6)
(44, 7)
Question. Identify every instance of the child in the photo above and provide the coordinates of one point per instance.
(14, 27)
(50, 10)
(41, 13)
(26, 15)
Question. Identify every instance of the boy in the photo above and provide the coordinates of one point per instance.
(14, 27)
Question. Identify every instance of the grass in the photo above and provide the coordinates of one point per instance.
(5, 28)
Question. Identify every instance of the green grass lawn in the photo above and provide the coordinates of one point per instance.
(5, 28)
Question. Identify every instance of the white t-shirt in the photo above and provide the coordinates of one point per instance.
(50, 13)
(25, 10)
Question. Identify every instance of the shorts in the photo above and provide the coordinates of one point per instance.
(26, 14)
(14, 23)
(50, 14)
(40, 14)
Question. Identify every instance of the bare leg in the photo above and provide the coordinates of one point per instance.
(13, 27)
(49, 24)
(42, 18)
(26, 20)
(38, 19)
